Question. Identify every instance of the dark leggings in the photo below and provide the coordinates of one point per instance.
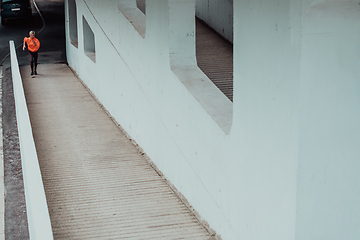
(34, 59)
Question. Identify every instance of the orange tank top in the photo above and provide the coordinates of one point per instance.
(33, 44)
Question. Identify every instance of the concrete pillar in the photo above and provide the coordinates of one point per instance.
(157, 28)
(182, 33)
(329, 135)
(296, 119)
(265, 140)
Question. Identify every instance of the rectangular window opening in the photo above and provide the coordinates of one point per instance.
(73, 23)
(214, 56)
(202, 61)
(89, 41)
(141, 5)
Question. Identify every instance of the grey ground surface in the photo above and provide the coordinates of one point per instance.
(52, 50)
(15, 209)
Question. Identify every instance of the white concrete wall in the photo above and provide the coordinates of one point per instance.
(329, 122)
(296, 114)
(218, 14)
(295, 111)
(267, 49)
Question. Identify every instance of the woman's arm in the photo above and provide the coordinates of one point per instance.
(24, 45)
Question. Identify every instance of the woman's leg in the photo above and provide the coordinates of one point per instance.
(35, 61)
(31, 62)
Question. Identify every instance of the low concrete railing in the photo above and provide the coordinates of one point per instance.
(36, 205)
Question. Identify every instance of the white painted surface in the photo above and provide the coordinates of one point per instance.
(182, 33)
(266, 60)
(329, 149)
(218, 14)
(255, 182)
(36, 205)
(135, 16)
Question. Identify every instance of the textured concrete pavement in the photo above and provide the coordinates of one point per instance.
(2, 188)
(97, 184)
(15, 225)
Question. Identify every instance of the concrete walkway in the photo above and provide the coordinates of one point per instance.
(98, 185)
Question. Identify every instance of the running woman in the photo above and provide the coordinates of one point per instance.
(33, 45)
